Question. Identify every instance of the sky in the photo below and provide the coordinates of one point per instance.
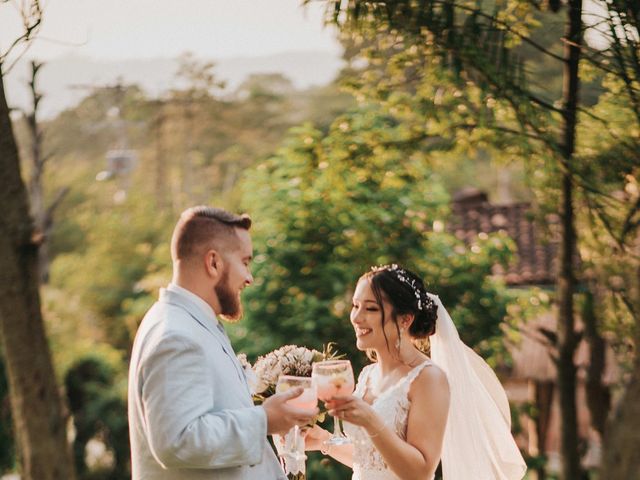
(140, 29)
(144, 29)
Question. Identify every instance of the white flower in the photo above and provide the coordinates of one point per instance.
(286, 360)
(242, 358)
(252, 378)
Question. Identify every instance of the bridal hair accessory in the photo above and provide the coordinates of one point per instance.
(424, 300)
(478, 442)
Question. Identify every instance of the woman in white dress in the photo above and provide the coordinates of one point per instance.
(409, 411)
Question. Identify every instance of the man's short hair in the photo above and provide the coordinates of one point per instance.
(203, 227)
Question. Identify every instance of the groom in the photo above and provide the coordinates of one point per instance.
(190, 410)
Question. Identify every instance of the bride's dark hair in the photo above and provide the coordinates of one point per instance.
(406, 293)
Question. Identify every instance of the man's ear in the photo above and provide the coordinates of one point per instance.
(213, 263)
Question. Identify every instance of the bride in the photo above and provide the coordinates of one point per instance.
(409, 411)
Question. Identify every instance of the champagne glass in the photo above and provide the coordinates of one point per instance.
(334, 378)
(308, 400)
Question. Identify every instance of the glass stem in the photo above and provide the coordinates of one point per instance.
(296, 439)
(337, 428)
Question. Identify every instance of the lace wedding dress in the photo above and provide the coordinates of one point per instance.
(392, 405)
(478, 444)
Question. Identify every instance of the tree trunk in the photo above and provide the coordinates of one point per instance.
(544, 402)
(597, 393)
(621, 460)
(567, 337)
(36, 403)
(36, 189)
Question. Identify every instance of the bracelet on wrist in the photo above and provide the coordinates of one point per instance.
(378, 432)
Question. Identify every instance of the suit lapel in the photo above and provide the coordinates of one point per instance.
(210, 323)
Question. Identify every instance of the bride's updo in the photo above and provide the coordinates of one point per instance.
(406, 293)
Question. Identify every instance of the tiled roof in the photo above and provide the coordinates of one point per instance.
(537, 252)
(537, 246)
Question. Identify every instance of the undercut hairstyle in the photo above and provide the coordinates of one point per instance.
(205, 227)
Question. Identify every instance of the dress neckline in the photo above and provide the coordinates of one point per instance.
(392, 387)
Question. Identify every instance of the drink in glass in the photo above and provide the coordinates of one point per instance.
(308, 400)
(334, 378)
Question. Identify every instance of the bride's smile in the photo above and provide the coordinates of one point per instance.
(361, 332)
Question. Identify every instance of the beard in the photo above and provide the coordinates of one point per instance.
(230, 306)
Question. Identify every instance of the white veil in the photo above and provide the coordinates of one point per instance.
(478, 443)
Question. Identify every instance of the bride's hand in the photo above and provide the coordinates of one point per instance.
(314, 436)
(353, 410)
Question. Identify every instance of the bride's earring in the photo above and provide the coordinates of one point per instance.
(399, 341)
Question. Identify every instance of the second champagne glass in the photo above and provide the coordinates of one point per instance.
(308, 400)
(334, 378)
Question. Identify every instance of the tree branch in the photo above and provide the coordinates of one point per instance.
(55, 203)
(628, 225)
(31, 21)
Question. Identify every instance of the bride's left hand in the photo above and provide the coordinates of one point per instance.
(353, 410)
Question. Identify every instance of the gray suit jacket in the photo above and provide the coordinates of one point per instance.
(190, 410)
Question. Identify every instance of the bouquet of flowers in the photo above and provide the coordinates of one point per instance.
(286, 360)
(263, 378)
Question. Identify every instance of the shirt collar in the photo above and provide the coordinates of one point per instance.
(198, 301)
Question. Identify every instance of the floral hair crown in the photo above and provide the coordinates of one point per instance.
(425, 302)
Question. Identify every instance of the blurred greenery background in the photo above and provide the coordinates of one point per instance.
(337, 178)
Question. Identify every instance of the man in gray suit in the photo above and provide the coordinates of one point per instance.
(190, 410)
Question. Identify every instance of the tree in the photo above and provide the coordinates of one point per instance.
(267, 86)
(611, 247)
(41, 211)
(107, 273)
(476, 44)
(36, 405)
(98, 410)
(329, 206)
(7, 445)
(200, 87)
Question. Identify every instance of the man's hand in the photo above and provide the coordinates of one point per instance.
(282, 417)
